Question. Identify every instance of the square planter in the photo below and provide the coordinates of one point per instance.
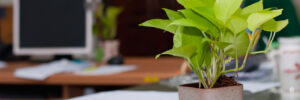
(191, 92)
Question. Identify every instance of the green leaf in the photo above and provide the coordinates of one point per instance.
(192, 31)
(177, 39)
(224, 9)
(222, 45)
(186, 51)
(187, 36)
(173, 15)
(258, 6)
(189, 23)
(208, 13)
(257, 19)
(201, 56)
(196, 3)
(275, 26)
(201, 22)
(237, 24)
(238, 43)
(160, 24)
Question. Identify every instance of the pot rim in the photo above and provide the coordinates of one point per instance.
(218, 88)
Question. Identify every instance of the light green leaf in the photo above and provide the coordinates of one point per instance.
(201, 22)
(177, 39)
(222, 45)
(258, 6)
(208, 13)
(186, 51)
(173, 15)
(237, 24)
(224, 9)
(192, 31)
(275, 26)
(187, 36)
(189, 23)
(196, 3)
(255, 20)
(160, 24)
(201, 56)
(238, 43)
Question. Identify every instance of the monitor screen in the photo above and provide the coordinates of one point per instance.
(52, 23)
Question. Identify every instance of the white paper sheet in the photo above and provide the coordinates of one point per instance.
(2, 64)
(130, 95)
(255, 87)
(108, 70)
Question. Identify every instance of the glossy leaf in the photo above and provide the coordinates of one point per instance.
(208, 13)
(237, 24)
(224, 9)
(257, 19)
(275, 26)
(196, 3)
(187, 36)
(201, 22)
(238, 43)
(173, 15)
(258, 6)
(186, 51)
(161, 24)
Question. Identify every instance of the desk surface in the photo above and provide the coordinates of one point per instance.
(147, 68)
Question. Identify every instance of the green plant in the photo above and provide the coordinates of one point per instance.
(106, 24)
(210, 33)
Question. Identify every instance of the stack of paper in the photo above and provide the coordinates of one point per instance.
(108, 70)
(131, 95)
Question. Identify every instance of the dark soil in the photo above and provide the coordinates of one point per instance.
(223, 81)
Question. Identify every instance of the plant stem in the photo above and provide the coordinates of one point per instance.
(270, 41)
(244, 62)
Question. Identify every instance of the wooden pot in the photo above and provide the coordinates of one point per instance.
(191, 92)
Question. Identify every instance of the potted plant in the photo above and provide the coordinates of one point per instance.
(210, 33)
(105, 28)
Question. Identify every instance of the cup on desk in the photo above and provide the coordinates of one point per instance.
(289, 65)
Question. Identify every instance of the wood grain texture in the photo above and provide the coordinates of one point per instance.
(148, 67)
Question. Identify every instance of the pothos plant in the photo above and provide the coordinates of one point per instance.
(106, 21)
(210, 33)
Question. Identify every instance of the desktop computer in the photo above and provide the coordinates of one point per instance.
(52, 27)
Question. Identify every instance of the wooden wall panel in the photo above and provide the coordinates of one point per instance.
(141, 41)
(6, 27)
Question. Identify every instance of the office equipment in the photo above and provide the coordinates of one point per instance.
(52, 27)
(42, 72)
(108, 70)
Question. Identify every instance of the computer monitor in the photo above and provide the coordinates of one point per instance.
(52, 27)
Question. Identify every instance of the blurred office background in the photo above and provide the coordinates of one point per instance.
(135, 41)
